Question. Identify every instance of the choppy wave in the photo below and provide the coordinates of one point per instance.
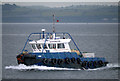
(35, 67)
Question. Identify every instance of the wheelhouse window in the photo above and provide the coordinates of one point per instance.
(38, 46)
(60, 45)
(33, 46)
(52, 46)
(44, 46)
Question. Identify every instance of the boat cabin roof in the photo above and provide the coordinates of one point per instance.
(50, 41)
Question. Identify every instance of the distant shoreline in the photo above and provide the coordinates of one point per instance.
(72, 14)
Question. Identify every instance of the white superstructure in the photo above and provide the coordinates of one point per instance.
(52, 44)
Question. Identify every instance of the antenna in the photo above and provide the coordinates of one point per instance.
(53, 23)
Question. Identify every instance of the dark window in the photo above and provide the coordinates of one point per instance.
(60, 45)
(52, 46)
(45, 46)
(63, 46)
(33, 46)
(38, 46)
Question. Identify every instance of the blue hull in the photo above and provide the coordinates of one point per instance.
(61, 59)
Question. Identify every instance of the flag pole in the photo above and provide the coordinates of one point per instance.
(53, 23)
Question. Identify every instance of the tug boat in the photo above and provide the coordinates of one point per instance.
(52, 49)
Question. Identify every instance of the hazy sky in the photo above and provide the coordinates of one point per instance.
(61, 4)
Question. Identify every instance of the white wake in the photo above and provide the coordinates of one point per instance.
(109, 66)
(24, 67)
(35, 67)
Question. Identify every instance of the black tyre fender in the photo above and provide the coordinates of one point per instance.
(73, 60)
(45, 60)
(84, 64)
(79, 61)
(67, 60)
(60, 61)
(53, 61)
(100, 63)
(95, 63)
(90, 64)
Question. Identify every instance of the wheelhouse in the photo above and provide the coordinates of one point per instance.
(55, 42)
(51, 45)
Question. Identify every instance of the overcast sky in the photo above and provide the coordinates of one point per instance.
(60, 4)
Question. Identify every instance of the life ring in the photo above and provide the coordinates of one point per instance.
(45, 61)
(73, 60)
(53, 61)
(67, 60)
(78, 61)
(60, 61)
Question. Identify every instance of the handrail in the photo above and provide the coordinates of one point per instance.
(46, 39)
(75, 44)
(27, 41)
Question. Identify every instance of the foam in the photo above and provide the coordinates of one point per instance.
(35, 67)
(109, 66)
(24, 67)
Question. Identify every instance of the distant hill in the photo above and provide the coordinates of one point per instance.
(71, 14)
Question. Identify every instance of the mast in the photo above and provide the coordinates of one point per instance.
(53, 23)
